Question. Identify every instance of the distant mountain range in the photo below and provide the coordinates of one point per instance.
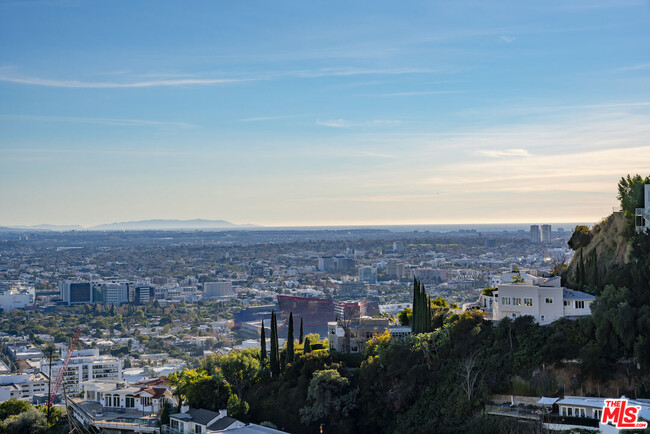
(141, 225)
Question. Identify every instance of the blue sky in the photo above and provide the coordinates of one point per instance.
(309, 113)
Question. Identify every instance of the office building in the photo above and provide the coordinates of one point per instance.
(326, 264)
(546, 234)
(535, 236)
(347, 310)
(395, 269)
(315, 312)
(116, 293)
(217, 289)
(368, 274)
(143, 294)
(352, 289)
(76, 292)
(398, 246)
(344, 264)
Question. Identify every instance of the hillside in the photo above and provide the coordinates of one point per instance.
(609, 250)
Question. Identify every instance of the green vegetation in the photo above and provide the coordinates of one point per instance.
(17, 417)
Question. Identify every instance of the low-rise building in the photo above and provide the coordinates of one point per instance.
(26, 387)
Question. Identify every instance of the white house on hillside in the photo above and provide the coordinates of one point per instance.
(642, 215)
(543, 299)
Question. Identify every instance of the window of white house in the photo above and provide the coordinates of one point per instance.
(580, 304)
(596, 414)
(563, 411)
(528, 301)
(146, 401)
(543, 318)
(505, 301)
(549, 300)
(567, 302)
(514, 315)
(130, 401)
(516, 301)
(197, 429)
(570, 411)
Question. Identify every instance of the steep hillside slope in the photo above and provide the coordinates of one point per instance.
(606, 254)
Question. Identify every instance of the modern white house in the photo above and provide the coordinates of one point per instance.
(544, 299)
(642, 215)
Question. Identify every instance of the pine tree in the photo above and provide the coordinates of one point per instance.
(302, 336)
(416, 302)
(274, 363)
(307, 348)
(263, 344)
(290, 350)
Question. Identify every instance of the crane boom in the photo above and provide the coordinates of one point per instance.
(64, 368)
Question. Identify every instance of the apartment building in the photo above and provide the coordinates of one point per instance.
(85, 365)
(26, 387)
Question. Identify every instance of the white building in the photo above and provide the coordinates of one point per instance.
(116, 293)
(16, 299)
(217, 289)
(84, 365)
(121, 395)
(327, 264)
(642, 215)
(543, 299)
(25, 387)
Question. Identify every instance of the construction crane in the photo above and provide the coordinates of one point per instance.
(64, 368)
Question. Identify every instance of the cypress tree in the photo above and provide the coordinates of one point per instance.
(594, 276)
(307, 348)
(274, 363)
(428, 314)
(302, 336)
(416, 302)
(263, 344)
(581, 271)
(290, 350)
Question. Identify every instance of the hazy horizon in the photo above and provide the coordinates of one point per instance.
(308, 114)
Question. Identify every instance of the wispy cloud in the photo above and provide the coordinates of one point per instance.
(415, 93)
(75, 84)
(101, 121)
(350, 71)
(508, 39)
(504, 153)
(342, 123)
(266, 118)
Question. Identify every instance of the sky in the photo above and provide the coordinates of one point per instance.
(321, 112)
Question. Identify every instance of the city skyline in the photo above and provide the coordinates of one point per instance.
(296, 114)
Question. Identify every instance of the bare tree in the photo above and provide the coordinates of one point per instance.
(469, 373)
